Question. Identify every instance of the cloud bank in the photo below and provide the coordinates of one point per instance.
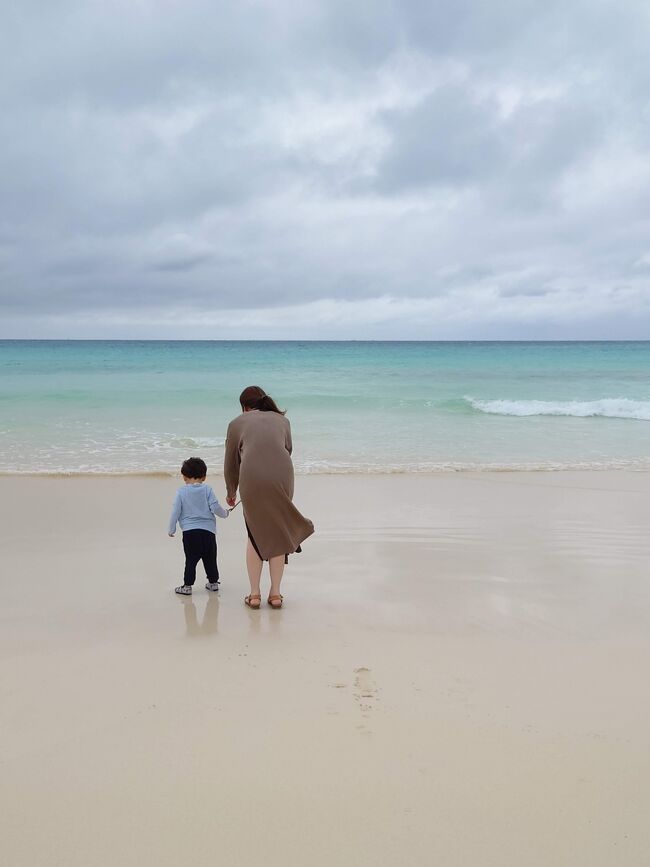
(263, 169)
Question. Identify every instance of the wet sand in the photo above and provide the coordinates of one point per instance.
(459, 677)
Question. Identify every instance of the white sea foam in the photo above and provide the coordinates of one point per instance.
(143, 441)
(618, 407)
(335, 468)
(197, 442)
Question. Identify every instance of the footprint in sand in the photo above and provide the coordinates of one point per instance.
(365, 691)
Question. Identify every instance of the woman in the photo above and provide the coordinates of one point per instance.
(258, 461)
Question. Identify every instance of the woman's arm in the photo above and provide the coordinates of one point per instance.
(231, 462)
(288, 444)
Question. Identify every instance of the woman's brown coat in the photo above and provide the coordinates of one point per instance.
(258, 461)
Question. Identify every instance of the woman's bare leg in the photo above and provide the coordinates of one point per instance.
(276, 568)
(254, 566)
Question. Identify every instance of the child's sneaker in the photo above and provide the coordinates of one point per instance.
(212, 585)
(183, 590)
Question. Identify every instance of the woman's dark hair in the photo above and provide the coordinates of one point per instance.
(255, 397)
(194, 468)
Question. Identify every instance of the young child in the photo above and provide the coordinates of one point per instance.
(194, 509)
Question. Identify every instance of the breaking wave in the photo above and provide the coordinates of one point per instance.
(607, 408)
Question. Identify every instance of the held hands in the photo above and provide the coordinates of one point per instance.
(171, 535)
(231, 502)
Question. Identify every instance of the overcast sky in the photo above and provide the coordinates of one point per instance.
(325, 168)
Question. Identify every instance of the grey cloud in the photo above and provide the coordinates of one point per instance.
(122, 55)
(455, 139)
(445, 140)
(189, 263)
(524, 289)
(297, 156)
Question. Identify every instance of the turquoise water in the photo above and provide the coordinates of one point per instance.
(129, 406)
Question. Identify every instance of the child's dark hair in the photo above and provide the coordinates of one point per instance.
(255, 397)
(194, 468)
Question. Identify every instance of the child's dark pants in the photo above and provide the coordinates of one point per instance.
(200, 545)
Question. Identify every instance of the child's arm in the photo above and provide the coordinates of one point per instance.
(215, 507)
(175, 515)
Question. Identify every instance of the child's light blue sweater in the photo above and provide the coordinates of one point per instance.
(194, 508)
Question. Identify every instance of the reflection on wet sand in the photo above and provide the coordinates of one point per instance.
(208, 623)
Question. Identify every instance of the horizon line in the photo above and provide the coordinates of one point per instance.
(321, 340)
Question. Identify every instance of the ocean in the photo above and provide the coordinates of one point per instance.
(369, 407)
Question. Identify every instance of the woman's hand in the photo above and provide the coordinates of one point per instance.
(230, 501)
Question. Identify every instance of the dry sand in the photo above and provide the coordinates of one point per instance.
(459, 677)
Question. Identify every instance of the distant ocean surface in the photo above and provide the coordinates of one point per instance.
(370, 407)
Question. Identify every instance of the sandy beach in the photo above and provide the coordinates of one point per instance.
(459, 677)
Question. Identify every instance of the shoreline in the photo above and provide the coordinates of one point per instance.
(356, 473)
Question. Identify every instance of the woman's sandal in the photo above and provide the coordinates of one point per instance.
(253, 601)
(275, 601)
